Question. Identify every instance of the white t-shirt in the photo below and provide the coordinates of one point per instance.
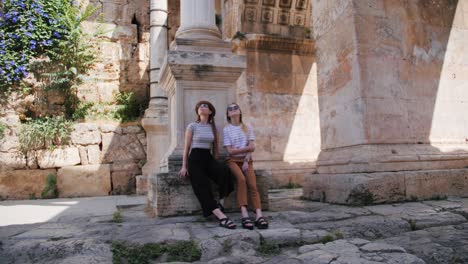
(235, 137)
(202, 135)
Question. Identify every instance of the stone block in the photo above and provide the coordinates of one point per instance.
(31, 160)
(143, 52)
(123, 182)
(384, 187)
(83, 155)
(131, 129)
(142, 138)
(173, 196)
(107, 91)
(12, 160)
(117, 147)
(124, 166)
(111, 11)
(9, 142)
(87, 180)
(115, 32)
(23, 184)
(60, 157)
(86, 134)
(141, 185)
(436, 183)
(88, 92)
(107, 128)
(94, 154)
(355, 188)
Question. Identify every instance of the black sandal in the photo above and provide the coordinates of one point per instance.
(227, 223)
(261, 223)
(247, 223)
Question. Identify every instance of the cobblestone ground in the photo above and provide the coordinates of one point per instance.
(300, 232)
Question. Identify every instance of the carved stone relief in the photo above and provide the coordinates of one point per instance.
(278, 12)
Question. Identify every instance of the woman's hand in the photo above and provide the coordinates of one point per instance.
(245, 166)
(183, 173)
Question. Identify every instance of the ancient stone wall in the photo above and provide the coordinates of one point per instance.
(123, 50)
(391, 99)
(102, 158)
(278, 91)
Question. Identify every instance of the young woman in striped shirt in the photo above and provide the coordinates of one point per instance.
(201, 141)
(239, 143)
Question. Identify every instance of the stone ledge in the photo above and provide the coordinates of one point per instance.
(384, 187)
(173, 196)
(86, 180)
(23, 184)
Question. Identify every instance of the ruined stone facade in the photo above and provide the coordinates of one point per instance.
(359, 101)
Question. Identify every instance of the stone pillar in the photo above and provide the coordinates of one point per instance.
(387, 74)
(155, 121)
(197, 20)
(199, 66)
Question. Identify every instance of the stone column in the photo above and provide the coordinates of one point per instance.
(155, 121)
(197, 20)
(390, 101)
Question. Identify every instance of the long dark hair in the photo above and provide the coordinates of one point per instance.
(243, 126)
(211, 121)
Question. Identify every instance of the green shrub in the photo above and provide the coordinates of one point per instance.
(268, 248)
(412, 223)
(50, 189)
(135, 254)
(117, 217)
(184, 251)
(67, 63)
(82, 110)
(327, 238)
(45, 132)
(126, 107)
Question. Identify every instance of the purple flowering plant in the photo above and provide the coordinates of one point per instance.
(28, 28)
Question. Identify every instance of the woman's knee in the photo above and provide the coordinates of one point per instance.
(241, 181)
(252, 187)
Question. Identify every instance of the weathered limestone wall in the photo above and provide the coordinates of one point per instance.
(278, 96)
(395, 80)
(278, 90)
(101, 159)
(123, 50)
(391, 99)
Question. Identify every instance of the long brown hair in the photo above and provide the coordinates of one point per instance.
(211, 121)
(243, 126)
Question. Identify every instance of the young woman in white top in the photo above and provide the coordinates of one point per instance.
(239, 143)
(200, 166)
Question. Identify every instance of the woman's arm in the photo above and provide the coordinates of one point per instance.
(249, 154)
(233, 151)
(188, 142)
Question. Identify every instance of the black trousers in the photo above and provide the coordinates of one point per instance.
(203, 169)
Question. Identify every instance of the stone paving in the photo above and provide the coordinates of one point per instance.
(300, 232)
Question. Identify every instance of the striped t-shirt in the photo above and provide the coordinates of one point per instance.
(235, 137)
(202, 135)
